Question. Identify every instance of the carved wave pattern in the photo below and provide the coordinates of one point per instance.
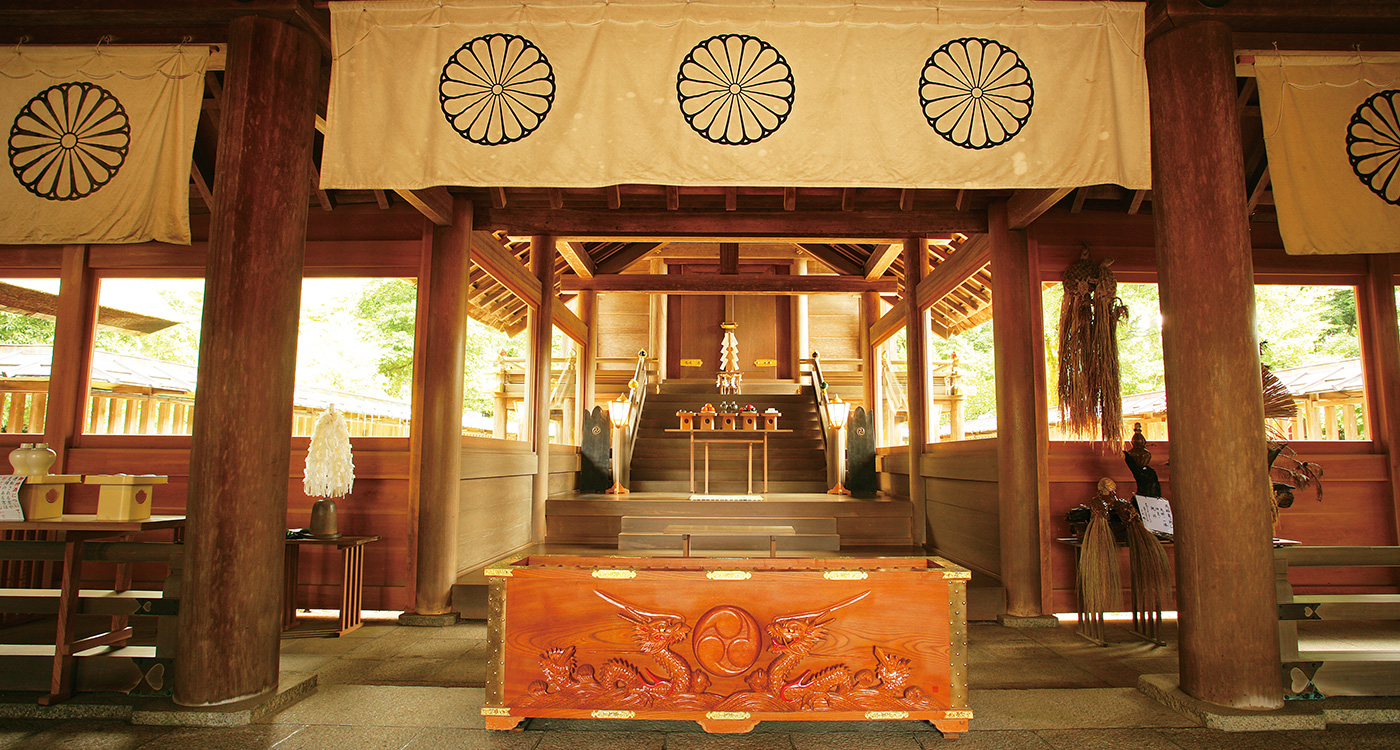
(727, 642)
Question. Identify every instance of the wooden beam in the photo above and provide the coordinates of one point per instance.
(906, 199)
(729, 258)
(848, 199)
(972, 257)
(737, 284)
(833, 260)
(890, 323)
(201, 186)
(880, 260)
(1136, 203)
(488, 254)
(381, 198)
(731, 199)
(576, 255)
(614, 197)
(556, 198)
(623, 259)
(498, 196)
(962, 200)
(1258, 191)
(541, 348)
(434, 203)
(568, 323)
(323, 197)
(916, 390)
(1025, 206)
(790, 199)
(869, 226)
(673, 198)
(1078, 204)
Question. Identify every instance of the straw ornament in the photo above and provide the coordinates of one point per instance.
(1090, 399)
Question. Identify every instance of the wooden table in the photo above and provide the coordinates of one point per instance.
(685, 532)
(352, 558)
(751, 439)
(75, 530)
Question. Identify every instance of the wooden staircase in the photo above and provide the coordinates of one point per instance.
(796, 460)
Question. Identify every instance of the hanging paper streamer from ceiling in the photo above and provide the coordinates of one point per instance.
(875, 93)
(99, 142)
(1332, 129)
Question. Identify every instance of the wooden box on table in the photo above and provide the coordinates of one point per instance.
(727, 642)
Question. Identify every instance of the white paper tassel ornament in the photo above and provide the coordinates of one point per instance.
(330, 469)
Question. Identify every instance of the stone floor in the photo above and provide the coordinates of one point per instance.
(387, 686)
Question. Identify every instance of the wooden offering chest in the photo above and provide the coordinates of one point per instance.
(728, 642)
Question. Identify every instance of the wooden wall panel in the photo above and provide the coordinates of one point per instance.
(624, 324)
(1355, 494)
(833, 327)
(960, 492)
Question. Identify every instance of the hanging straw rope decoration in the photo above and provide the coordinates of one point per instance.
(330, 467)
(1091, 404)
(1099, 585)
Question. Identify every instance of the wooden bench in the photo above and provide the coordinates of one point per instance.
(1315, 674)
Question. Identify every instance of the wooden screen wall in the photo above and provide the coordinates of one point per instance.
(496, 474)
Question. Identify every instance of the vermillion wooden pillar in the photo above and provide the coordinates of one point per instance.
(1380, 353)
(437, 448)
(1221, 495)
(541, 342)
(870, 360)
(916, 348)
(240, 453)
(71, 367)
(1018, 460)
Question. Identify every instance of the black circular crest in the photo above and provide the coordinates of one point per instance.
(69, 140)
(976, 93)
(735, 89)
(1373, 145)
(496, 89)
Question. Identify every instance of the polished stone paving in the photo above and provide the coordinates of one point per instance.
(400, 688)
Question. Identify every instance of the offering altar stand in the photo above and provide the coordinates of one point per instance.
(727, 642)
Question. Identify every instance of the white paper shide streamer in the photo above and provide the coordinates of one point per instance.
(330, 469)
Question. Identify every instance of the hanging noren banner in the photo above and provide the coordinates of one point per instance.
(1332, 130)
(574, 93)
(99, 142)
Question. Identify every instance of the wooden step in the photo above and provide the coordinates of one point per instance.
(705, 543)
(716, 486)
(654, 524)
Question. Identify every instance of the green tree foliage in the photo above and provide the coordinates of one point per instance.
(389, 308)
(22, 329)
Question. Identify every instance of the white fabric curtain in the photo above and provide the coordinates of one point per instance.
(845, 93)
(100, 142)
(1333, 136)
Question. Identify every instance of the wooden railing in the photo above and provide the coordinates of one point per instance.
(822, 398)
(636, 397)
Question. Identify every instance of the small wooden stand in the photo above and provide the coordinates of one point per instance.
(352, 558)
(42, 496)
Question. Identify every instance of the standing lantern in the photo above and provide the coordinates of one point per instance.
(837, 411)
(330, 471)
(618, 411)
